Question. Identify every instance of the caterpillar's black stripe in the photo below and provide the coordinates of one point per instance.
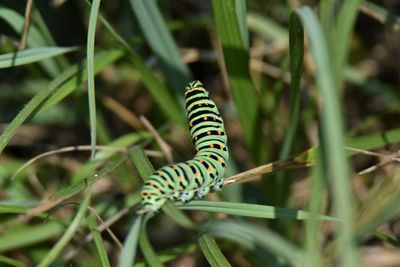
(206, 170)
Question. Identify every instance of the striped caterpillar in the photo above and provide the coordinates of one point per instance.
(206, 171)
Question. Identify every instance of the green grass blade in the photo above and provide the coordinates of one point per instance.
(332, 137)
(256, 238)
(91, 221)
(128, 253)
(94, 10)
(147, 250)
(68, 234)
(32, 55)
(344, 29)
(250, 210)
(375, 140)
(145, 169)
(237, 66)
(11, 262)
(312, 228)
(296, 43)
(241, 14)
(161, 42)
(211, 251)
(28, 235)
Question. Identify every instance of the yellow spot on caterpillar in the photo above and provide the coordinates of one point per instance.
(179, 178)
(219, 160)
(195, 138)
(211, 145)
(151, 184)
(219, 132)
(209, 132)
(209, 169)
(196, 175)
(201, 161)
(197, 149)
(205, 118)
(221, 146)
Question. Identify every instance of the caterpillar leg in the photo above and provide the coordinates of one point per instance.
(186, 196)
(218, 185)
(203, 191)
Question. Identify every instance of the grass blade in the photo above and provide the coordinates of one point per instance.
(147, 250)
(32, 55)
(128, 253)
(250, 210)
(25, 236)
(332, 136)
(11, 262)
(161, 42)
(256, 238)
(94, 10)
(91, 221)
(211, 251)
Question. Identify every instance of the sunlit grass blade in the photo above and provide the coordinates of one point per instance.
(32, 55)
(57, 89)
(128, 253)
(91, 221)
(250, 210)
(27, 235)
(68, 234)
(332, 136)
(258, 238)
(211, 251)
(237, 67)
(145, 169)
(161, 42)
(94, 10)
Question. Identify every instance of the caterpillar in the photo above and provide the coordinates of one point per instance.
(206, 171)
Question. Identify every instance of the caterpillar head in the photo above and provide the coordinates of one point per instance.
(195, 86)
(151, 199)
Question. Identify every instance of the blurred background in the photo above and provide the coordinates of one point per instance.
(124, 92)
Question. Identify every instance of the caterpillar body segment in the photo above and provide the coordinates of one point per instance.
(206, 171)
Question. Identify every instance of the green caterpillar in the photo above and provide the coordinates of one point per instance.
(206, 171)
